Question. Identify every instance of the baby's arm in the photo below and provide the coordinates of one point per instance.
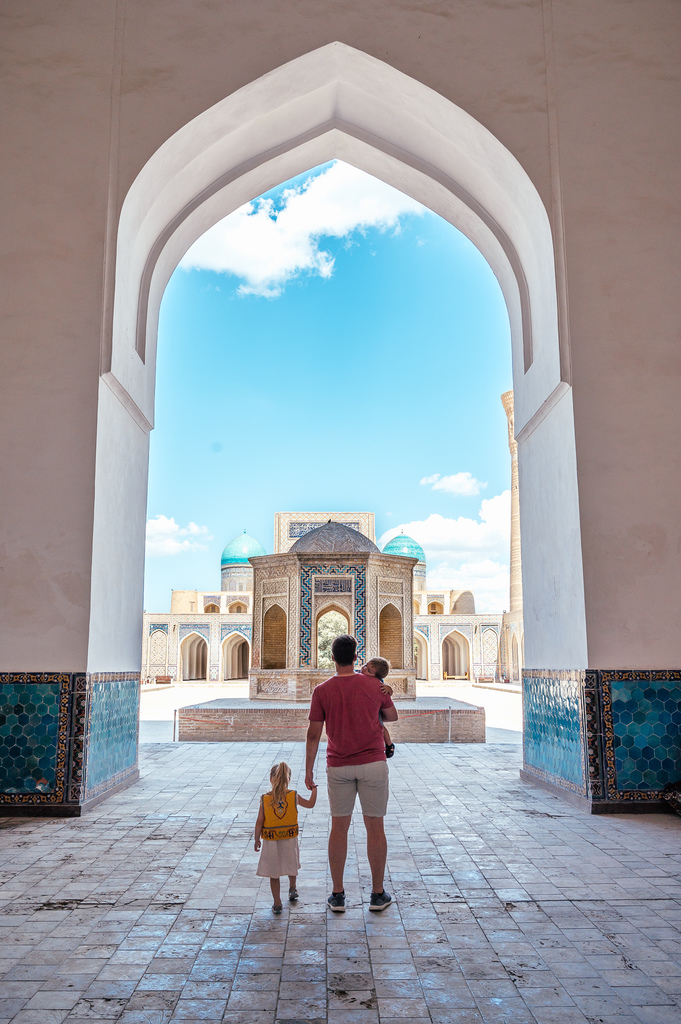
(258, 827)
(309, 801)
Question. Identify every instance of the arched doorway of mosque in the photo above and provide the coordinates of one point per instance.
(331, 622)
(236, 657)
(455, 656)
(421, 655)
(393, 127)
(194, 657)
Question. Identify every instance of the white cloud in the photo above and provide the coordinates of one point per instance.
(464, 484)
(467, 554)
(166, 537)
(266, 246)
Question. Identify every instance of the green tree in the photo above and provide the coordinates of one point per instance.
(330, 625)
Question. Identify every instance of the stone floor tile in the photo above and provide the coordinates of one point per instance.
(199, 1009)
(247, 999)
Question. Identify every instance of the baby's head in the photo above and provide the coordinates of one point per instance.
(377, 667)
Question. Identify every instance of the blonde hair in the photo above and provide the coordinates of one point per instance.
(381, 665)
(280, 776)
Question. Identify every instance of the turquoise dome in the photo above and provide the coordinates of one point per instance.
(403, 545)
(239, 550)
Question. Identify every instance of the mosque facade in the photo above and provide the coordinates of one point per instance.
(209, 635)
(215, 636)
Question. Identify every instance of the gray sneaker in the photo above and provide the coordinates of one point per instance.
(380, 900)
(336, 902)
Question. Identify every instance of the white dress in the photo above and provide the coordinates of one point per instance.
(278, 857)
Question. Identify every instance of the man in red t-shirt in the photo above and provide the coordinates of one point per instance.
(349, 704)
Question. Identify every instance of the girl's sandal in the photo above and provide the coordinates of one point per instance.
(293, 895)
(276, 908)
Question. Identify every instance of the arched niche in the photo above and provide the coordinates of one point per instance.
(420, 655)
(236, 656)
(338, 102)
(390, 643)
(194, 657)
(455, 656)
(237, 608)
(274, 638)
(212, 609)
(436, 608)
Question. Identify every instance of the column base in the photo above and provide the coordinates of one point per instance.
(605, 740)
(67, 740)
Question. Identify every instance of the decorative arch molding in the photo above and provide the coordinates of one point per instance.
(333, 606)
(334, 102)
(337, 102)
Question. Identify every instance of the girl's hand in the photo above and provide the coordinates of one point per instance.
(256, 845)
(387, 689)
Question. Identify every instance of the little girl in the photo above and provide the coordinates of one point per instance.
(277, 824)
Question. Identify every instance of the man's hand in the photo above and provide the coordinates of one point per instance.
(310, 782)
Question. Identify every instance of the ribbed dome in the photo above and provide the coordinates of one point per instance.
(239, 550)
(333, 537)
(404, 545)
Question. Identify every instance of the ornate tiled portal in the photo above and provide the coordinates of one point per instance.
(66, 739)
(608, 737)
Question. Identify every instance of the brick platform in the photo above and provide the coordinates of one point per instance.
(423, 720)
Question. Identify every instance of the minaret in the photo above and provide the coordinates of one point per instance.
(516, 595)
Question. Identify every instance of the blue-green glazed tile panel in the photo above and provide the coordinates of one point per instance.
(29, 737)
(552, 736)
(112, 742)
(646, 719)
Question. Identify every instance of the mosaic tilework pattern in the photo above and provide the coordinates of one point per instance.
(228, 628)
(29, 736)
(552, 738)
(642, 726)
(188, 627)
(112, 732)
(34, 732)
(323, 569)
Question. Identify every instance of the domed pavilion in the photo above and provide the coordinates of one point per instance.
(333, 568)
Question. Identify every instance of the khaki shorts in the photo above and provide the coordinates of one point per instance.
(371, 781)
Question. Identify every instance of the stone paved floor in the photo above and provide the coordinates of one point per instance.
(510, 906)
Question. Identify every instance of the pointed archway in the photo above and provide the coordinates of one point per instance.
(337, 102)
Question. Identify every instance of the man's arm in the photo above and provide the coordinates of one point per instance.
(389, 714)
(314, 734)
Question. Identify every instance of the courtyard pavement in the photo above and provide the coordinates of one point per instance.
(510, 906)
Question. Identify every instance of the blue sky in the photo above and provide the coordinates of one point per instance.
(332, 346)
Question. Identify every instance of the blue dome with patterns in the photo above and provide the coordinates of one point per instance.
(239, 550)
(403, 545)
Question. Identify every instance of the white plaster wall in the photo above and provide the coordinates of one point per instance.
(553, 585)
(115, 638)
(584, 96)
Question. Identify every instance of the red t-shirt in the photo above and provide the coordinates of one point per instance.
(349, 706)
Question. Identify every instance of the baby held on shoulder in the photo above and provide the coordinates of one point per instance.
(379, 668)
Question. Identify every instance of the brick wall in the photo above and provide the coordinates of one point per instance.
(277, 724)
(390, 635)
(274, 638)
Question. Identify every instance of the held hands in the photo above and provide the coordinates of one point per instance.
(310, 782)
